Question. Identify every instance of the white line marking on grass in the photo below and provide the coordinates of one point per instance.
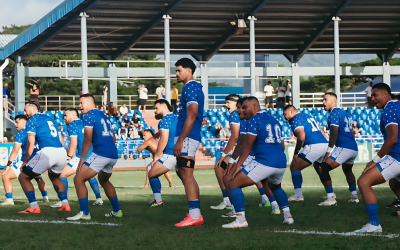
(60, 222)
(216, 186)
(336, 233)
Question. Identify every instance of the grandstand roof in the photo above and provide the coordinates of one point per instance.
(202, 27)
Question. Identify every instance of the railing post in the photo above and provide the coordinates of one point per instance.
(215, 103)
(59, 103)
(130, 102)
(45, 102)
(73, 99)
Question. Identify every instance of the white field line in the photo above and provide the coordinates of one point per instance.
(60, 222)
(336, 233)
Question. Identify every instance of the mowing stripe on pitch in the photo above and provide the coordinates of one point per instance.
(61, 222)
(294, 231)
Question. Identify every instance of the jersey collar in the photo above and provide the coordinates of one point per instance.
(390, 101)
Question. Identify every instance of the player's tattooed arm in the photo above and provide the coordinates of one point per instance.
(332, 139)
(87, 142)
(162, 143)
(72, 146)
(29, 147)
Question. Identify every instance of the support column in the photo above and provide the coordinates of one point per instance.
(386, 73)
(295, 85)
(85, 85)
(252, 56)
(167, 58)
(2, 67)
(337, 61)
(204, 82)
(112, 85)
(19, 85)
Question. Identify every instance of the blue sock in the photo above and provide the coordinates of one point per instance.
(155, 185)
(297, 179)
(194, 209)
(94, 184)
(9, 195)
(372, 210)
(281, 198)
(237, 199)
(65, 181)
(44, 193)
(329, 189)
(31, 196)
(224, 193)
(115, 204)
(353, 187)
(62, 196)
(271, 199)
(261, 190)
(84, 205)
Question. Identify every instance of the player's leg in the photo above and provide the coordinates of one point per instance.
(60, 189)
(264, 198)
(162, 166)
(109, 189)
(68, 170)
(25, 180)
(147, 184)
(8, 175)
(219, 173)
(395, 186)
(297, 177)
(280, 195)
(351, 181)
(43, 188)
(325, 178)
(168, 176)
(94, 184)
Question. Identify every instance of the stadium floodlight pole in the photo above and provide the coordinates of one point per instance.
(337, 63)
(84, 57)
(2, 67)
(252, 56)
(167, 58)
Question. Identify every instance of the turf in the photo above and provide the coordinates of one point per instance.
(153, 228)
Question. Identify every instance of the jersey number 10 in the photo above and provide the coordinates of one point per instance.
(270, 138)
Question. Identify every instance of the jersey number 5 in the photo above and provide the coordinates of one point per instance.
(53, 130)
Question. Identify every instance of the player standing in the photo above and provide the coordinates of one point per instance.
(385, 166)
(163, 159)
(264, 135)
(346, 150)
(222, 163)
(51, 156)
(187, 137)
(98, 131)
(13, 170)
(76, 135)
(309, 136)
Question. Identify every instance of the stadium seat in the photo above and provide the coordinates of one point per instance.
(367, 111)
(220, 112)
(12, 115)
(350, 111)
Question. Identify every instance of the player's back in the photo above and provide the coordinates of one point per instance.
(391, 115)
(243, 130)
(46, 133)
(345, 139)
(267, 146)
(311, 129)
(192, 93)
(76, 129)
(102, 138)
(169, 122)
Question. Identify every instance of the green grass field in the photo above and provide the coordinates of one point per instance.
(153, 228)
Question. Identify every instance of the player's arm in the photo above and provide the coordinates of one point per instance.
(143, 146)
(87, 142)
(301, 137)
(192, 111)
(72, 146)
(231, 143)
(14, 153)
(334, 129)
(162, 143)
(246, 149)
(283, 144)
(236, 152)
(29, 147)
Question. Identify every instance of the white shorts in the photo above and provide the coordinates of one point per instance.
(314, 152)
(48, 158)
(168, 161)
(258, 172)
(190, 146)
(99, 163)
(248, 160)
(17, 169)
(389, 167)
(74, 162)
(344, 155)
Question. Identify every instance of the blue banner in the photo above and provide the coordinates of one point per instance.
(5, 151)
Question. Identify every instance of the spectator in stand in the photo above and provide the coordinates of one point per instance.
(142, 97)
(288, 93)
(368, 91)
(112, 110)
(123, 131)
(34, 93)
(126, 120)
(217, 129)
(281, 95)
(160, 92)
(6, 95)
(356, 129)
(123, 109)
(269, 95)
(205, 122)
(102, 109)
(227, 129)
(136, 122)
(222, 134)
(174, 97)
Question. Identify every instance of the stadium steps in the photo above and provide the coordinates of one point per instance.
(150, 120)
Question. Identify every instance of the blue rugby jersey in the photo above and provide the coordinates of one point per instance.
(169, 123)
(345, 139)
(45, 131)
(311, 129)
(390, 115)
(22, 138)
(76, 129)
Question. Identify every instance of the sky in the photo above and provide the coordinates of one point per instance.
(23, 12)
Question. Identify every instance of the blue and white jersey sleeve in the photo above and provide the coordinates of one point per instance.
(30, 126)
(19, 137)
(88, 120)
(334, 118)
(234, 118)
(191, 94)
(243, 126)
(252, 127)
(164, 124)
(296, 123)
(390, 115)
(72, 130)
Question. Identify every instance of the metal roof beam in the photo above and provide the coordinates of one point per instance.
(145, 29)
(321, 29)
(58, 27)
(230, 32)
(392, 50)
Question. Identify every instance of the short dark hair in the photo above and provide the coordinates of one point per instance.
(23, 117)
(89, 95)
(382, 86)
(269, 82)
(370, 83)
(251, 98)
(73, 110)
(331, 94)
(232, 97)
(186, 63)
(397, 97)
(288, 107)
(35, 104)
(173, 84)
(163, 101)
(241, 100)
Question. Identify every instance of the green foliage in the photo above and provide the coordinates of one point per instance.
(13, 29)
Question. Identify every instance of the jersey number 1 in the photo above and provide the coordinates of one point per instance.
(313, 123)
(105, 131)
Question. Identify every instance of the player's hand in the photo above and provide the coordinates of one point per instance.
(219, 162)
(370, 165)
(294, 160)
(79, 166)
(236, 170)
(178, 148)
(22, 166)
(155, 159)
(327, 154)
(228, 168)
